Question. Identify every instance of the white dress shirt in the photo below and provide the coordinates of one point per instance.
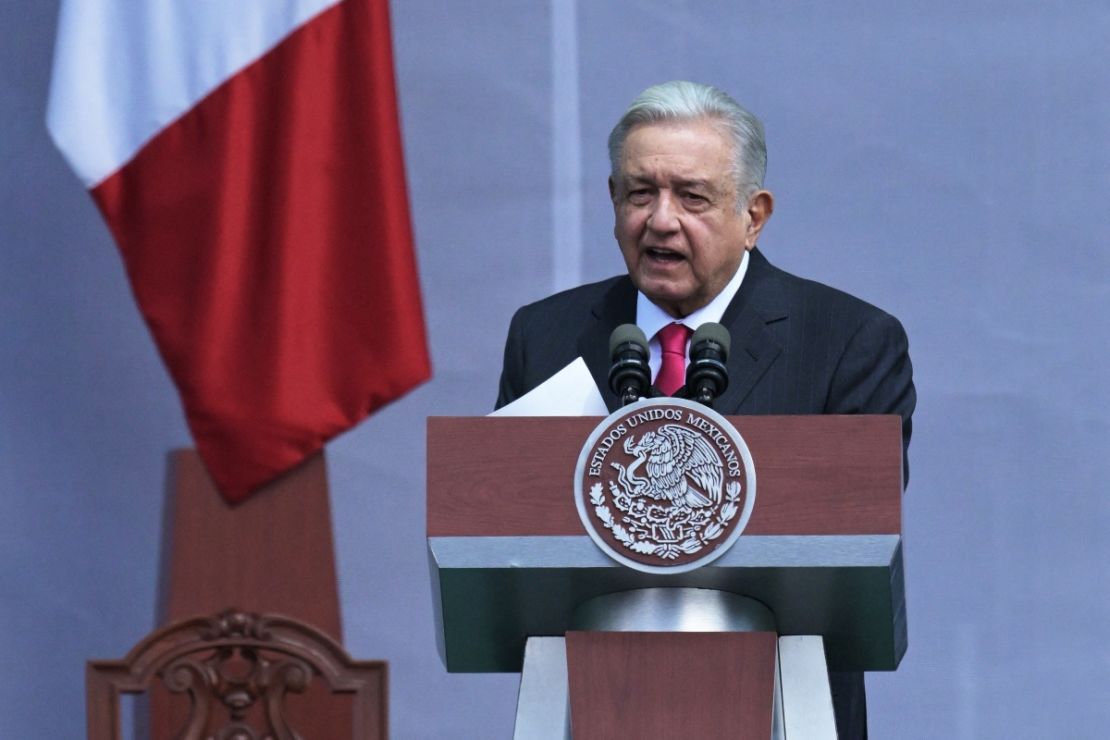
(651, 318)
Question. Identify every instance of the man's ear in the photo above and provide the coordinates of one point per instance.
(612, 189)
(760, 207)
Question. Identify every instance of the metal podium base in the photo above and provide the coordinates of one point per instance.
(673, 610)
(802, 699)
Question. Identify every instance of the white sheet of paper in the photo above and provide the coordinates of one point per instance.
(569, 392)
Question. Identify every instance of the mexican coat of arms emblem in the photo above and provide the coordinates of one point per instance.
(665, 485)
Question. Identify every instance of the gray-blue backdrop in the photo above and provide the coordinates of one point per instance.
(950, 164)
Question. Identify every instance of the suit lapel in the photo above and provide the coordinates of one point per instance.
(758, 302)
(616, 307)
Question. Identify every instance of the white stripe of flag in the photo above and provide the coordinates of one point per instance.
(125, 69)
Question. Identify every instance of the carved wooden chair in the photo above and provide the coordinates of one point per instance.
(237, 669)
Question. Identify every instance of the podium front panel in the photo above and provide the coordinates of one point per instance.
(510, 558)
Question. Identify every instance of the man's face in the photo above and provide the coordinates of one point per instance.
(677, 222)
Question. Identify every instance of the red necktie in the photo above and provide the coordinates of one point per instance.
(672, 371)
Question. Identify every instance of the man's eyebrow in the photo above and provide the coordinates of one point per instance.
(682, 183)
(695, 183)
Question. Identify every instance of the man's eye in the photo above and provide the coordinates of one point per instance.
(639, 196)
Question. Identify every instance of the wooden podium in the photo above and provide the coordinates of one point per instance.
(821, 557)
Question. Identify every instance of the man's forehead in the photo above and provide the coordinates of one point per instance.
(684, 152)
(704, 131)
(687, 172)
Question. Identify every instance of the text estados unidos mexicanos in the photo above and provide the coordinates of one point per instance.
(720, 439)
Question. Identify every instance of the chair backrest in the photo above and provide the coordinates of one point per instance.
(237, 669)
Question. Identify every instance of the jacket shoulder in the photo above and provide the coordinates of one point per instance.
(567, 304)
(829, 306)
(543, 335)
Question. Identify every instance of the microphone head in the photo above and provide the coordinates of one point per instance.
(626, 334)
(712, 332)
(629, 375)
(707, 374)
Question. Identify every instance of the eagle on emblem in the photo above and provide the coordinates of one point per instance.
(681, 466)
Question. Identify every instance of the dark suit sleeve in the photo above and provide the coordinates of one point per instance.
(512, 368)
(875, 376)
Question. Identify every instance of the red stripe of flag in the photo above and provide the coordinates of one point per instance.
(266, 235)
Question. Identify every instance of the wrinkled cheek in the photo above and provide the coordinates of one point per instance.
(630, 261)
(628, 247)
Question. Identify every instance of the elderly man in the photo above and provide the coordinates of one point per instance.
(687, 165)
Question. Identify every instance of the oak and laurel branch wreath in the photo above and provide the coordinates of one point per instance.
(692, 544)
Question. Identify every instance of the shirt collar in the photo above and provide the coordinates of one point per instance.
(651, 318)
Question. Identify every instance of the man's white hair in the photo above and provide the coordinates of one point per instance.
(690, 101)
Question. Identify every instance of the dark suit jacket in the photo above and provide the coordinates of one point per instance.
(798, 347)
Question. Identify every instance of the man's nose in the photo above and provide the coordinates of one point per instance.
(664, 217)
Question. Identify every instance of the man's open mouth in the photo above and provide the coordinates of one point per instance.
(663, 255)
